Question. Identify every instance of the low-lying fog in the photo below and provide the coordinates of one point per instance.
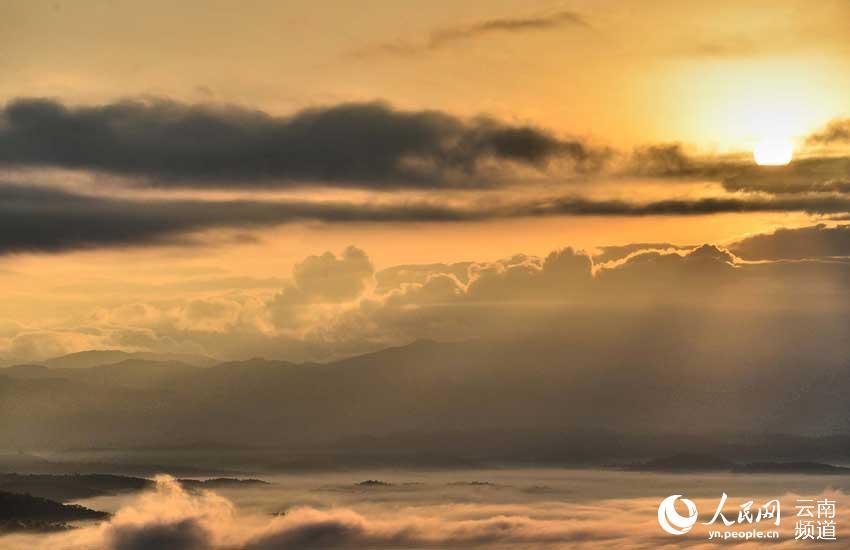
(518, 508)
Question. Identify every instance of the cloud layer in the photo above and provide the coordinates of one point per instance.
(368, 145)
(836, 132)
(819, 241)
(44, 219)
(491, 514)
(427, 159)
(449, 36)
(337, 304)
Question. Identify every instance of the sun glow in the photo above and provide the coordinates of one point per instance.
(773, 152)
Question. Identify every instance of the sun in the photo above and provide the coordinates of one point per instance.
(773, 152)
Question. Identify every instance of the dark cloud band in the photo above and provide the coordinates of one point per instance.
(51, 220)
(356, 145)
(450, 36)
(837, 131)
(365, 145)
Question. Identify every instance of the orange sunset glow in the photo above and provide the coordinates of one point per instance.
(478, 274)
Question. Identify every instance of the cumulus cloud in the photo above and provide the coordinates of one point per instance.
(818, 241)
(335, 304)
(561, 273)
(690, 277)
(321, 280)
(395, 276)
(495, 296)
(616, 253)
(367, 145)
(327, 278)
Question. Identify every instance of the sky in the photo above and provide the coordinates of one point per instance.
(302, 182)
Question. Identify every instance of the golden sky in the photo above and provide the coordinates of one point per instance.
(160, 153)
(712, 74)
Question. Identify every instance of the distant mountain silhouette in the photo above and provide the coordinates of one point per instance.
(93, 358)
(694, 462)
(20, 512)
(565, 394)
(135, 373)
(67, 487)
(63, 488)
(222, 483)
(686, 462)
(27, 371)
(791, 468)
(373, 483)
